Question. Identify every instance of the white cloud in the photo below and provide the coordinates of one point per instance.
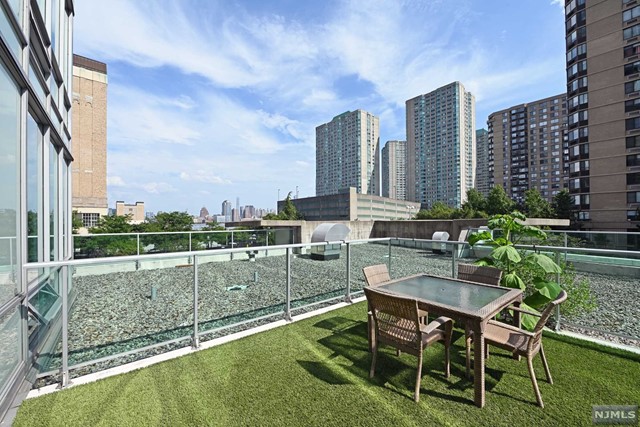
(157, 187)
(115, 181)
(203, 176)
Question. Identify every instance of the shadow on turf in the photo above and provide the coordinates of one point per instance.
(348, 340)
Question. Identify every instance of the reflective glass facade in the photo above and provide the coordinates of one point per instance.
(35, 135)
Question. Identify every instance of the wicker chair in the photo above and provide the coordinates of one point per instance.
(521, 342)
(397, 324)
(479, 274)
(375, 275)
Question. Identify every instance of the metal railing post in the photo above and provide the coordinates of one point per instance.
(189, 241)
(195, 340)
(389, 259)
(347, 297)
(287, 298)
(266, 252)
(138, 243)
(232, 245)
(454, 247)
(566, 245)
(64, 369)
(557, 328)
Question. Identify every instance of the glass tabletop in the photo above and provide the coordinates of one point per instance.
(467, 296)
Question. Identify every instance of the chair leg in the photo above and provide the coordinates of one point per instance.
(416, 394)
(374, 358)
(532, 373)
(448, 330)
(371, 331)
(546, 366)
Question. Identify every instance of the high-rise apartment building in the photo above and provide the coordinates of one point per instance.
(528, 147)
(347, 154)
(35, 183)
(603, 100)
(89, 171)
(484, 162)
(394, 172)
(441, 137)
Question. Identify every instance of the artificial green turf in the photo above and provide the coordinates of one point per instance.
(315, 372)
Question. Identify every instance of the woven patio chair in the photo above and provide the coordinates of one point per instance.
(376, 275)
(397, 324)
(521, 342)
(479, 274)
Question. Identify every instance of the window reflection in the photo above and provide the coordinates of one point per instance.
(34, 190)
(9, 206)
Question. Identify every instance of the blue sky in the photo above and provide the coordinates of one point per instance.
(213, 100)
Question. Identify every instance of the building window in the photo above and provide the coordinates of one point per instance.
(632, 105)
(90, 219)
(633, 160)
(633, 178)
(9, 201)
(632, 123)
(580, 50)
(633, 215)
(632, 68)
(633, 197)
(632, 50)
(630, 32)
(633, 142)
(630, 14)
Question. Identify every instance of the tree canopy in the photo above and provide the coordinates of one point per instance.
(288, 212)
(498, 202)
(535, 206)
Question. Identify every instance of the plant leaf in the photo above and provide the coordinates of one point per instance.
(546, 292)
(484, 261)
(479, 236)
(546, 263)
(506, 254)
(512, 280)
(527, 321)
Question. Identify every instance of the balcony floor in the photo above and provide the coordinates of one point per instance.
(315, 372)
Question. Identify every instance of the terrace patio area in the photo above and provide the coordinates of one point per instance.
(315, 372)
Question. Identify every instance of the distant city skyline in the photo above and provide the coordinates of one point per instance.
(214, 100)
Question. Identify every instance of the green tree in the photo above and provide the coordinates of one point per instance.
(475, 201)
(438, 210)
(112, 224)
(288, 212)
(563, 205)
(169, 221)
(76, 222)
(105, 246)
(535, 206)
(498, 202)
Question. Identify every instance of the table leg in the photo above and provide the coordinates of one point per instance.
(478, 366)
(517, 323)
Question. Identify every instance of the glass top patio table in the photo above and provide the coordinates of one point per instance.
(466, 296)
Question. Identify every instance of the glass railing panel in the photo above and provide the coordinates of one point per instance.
(602, 296)
(250, 286)
(8, 269)
(97, 246)
(208, 240)
(45, 318)
(164, 243)
(318, 273)
(410, 257)
(11, 348)
(363, 255)
(116, 308)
